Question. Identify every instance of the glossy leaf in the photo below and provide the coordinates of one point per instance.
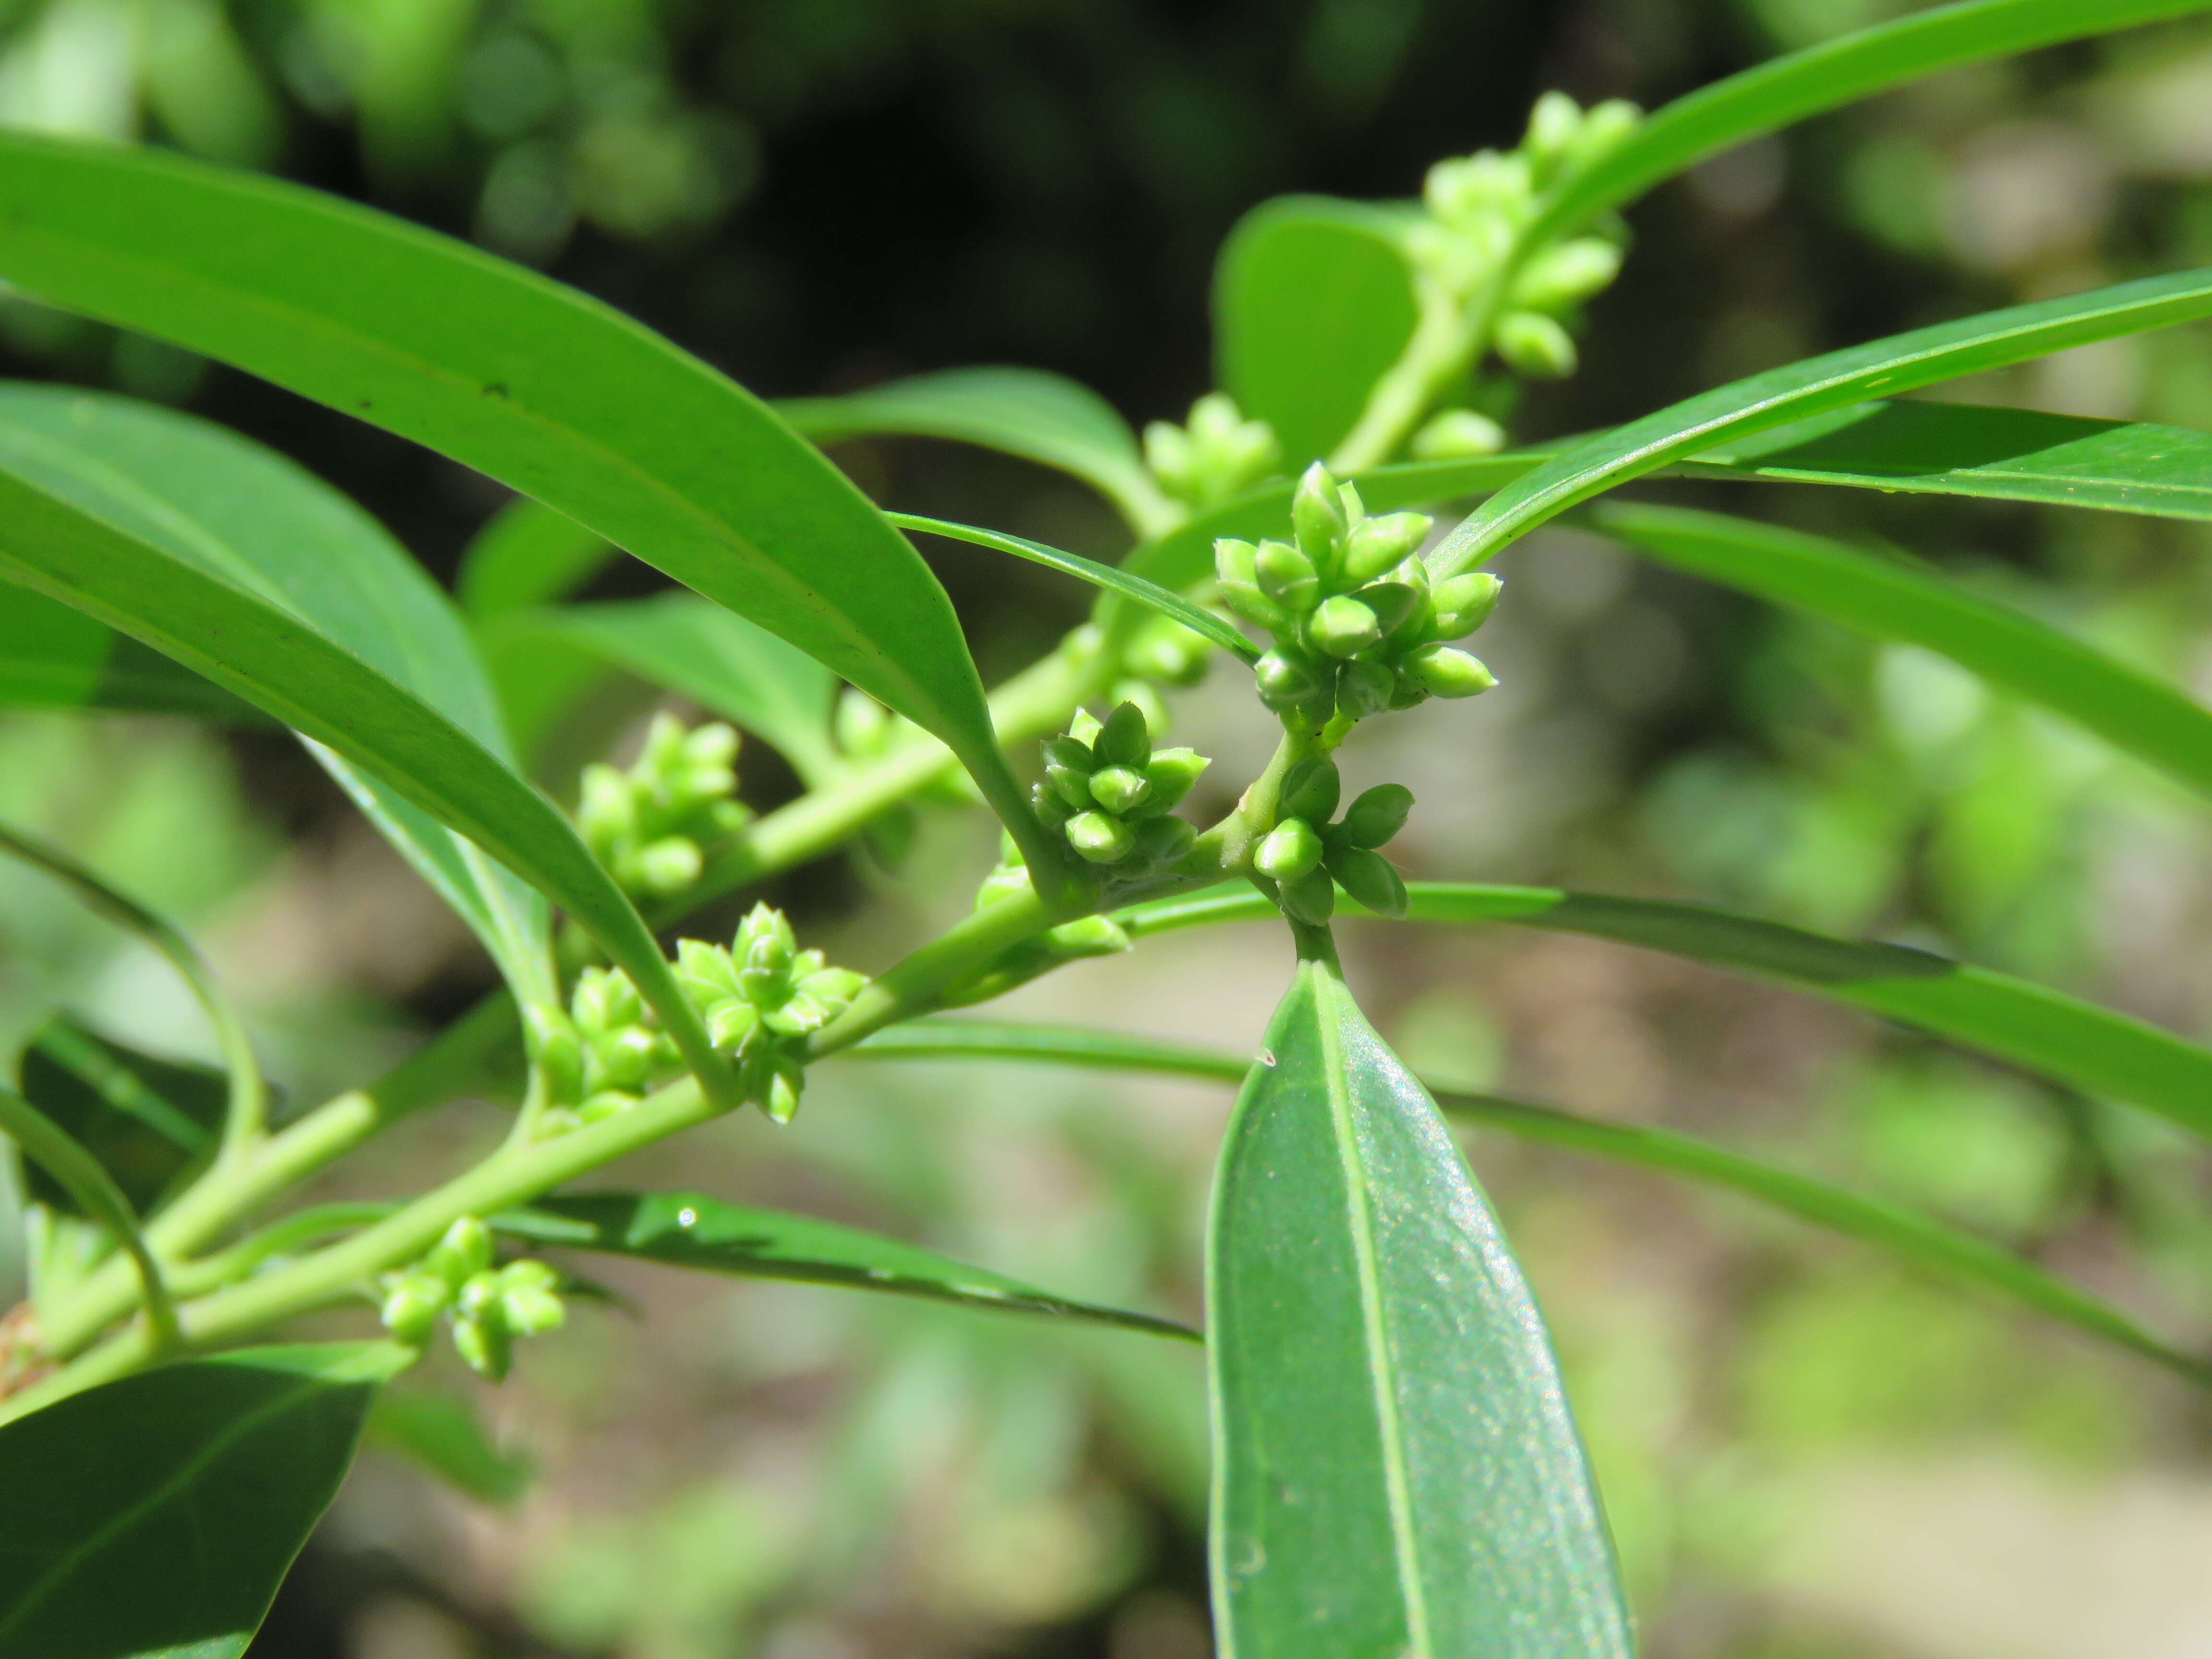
(1042, 417)
(1312, 302)
(168, 1505)
(690, 1229)
(1397, 1472)
(554, 394)
(1892, 600)
(446, 1438)
(246, 517)
(687, 645)
(1906, 1234)
(1130, 587)
(528, 555)
(1779, 93)
(1814, 386)
(2088, 1048)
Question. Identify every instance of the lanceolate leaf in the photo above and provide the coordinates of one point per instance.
(1814, 386)
(554, 394)
(1169, 605)
(1892, 600)
(52, 658)
(2091, 1049)
(528, 555)
(1046, 419)
(248, 517)
(153, 1517)
(689, 1230)
(1905, 1233)
(1397, 1472)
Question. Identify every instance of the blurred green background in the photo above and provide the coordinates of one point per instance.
(1806, 1454)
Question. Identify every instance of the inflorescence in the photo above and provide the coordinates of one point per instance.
(1308, 857)
(650, 825)
(1112, 795)
(487, 1306)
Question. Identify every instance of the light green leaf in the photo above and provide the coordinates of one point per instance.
(1779, 93)
(1891, 600)
(153, 1517)
(689, 645)
(1042, 417)
(446, 1436)
(2091, 1049)
(1813, 386)
(528, 555)
(690, 1229)
(247, 517)
(1169, 605)
(1906, 1234)
(52, 658)
(1313, 300)
(1397, 1472)
(560, 398)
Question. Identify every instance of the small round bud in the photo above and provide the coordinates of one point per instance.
(1566, 274)
(1288, 851)
(861, 725)
(1168, 651)
(1553, 126)
(1084, 727)
(1463, 604)
(1288, 576)
(484, 1346)
(413, 1299)
(1371, 880)
(1535, 344)
(557, 1051)
(606, 1104)
(1458, 434)
(668, 866)
(796, 1015)
(1088, 936)
(1443, 671)
(1161, 842)
(706, 973)
(1318, 517)
(1245, 600)
(1234, 561)
(1168, 776)
(1343, 627)
(1311, 898)
(464, 1252)
(1290, 680)
(1363, 689)
(1466, 191)
(1377, 816)
(1392, 603)
(784, 1086)
(1098, 838)
(1124, 740)
(1604, 128)
(529, 1299)
(1309, 790)
(1003, 884)
(1168, 457)
(1118, 788)
(730, 1023)
(1375, 545)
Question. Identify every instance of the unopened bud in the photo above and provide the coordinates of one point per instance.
(1318, 517)
(413, 1299)
(1553, 126)
(484, 1345)
(1288, 680)
(1363, 689)
(1463, 604)
(1566, 274)
(1458, 434)
(1369, 878)
(1160, 842)
(1233, 561)
(1118, 788)
(1168, 776)
(1392, 603)
(464, 1252)
(730, 1023)
(784, 1086)
(861, 725)
(1444, 672)
(668, 866)
(1375, 545)
(1535, 344)
(529, 1299)
(1288, 576)
(1309, 790)
(1343, 626)
(1288, 851)
(1098, 838)
(1311, 898)
(1604, 128)
(1088, 936)
(1378, 815)
(1124, 740)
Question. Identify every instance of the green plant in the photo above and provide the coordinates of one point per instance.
(1361, 1299)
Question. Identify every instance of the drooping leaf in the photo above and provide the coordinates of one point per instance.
(528, 555)
(1891, 600)
(690, 1229)
(446, 1436)
(560, 398)
(153, 1517)
(148, 1121)
(1815, 386)
(1396, 1471)
(1312, 302)
(1907, 1234)
(251, 518)
(1113, 579)
(2039, 1030)
(695, 648)
(1042, 417)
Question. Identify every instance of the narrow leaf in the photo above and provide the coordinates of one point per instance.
(689, 1230)
(146, 1122)
(446, 1438)
(1169, 605)
(1042, 417)
(2039, 1029)
(1891, 600)
(1397, 1470)
(1815, 386)
(528, 555)
(52, 658)
(153, 1517)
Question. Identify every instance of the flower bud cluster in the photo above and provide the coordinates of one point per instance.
(865, 730)
(488, 1306)
(1086, 936)
(1358, 627)
(1112, 795)
(760, 998)
(609, 1052)
(649, 825)
(1219, 454)
(1308, 857)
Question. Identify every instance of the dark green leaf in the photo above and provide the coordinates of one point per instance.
(446, 1438)
(557, 396)
(1312, 302)
(1397, 1472)
(1890, 600)
(153, 1517)
(1046, 419)
(147, 1120)
(1814, 386)
(689, 1230)
(528, 555)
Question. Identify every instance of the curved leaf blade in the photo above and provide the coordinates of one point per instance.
(527, 555)
(557, 396)
(154, 1517)
(1814, 386)
(1039, 417)
(2132, 711)
(52, 658)
(690, 1229)
(1395, 1466)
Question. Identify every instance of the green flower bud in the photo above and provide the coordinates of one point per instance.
(484, 1346)
(1123, 740)
(1369, 878)
(464, 1252)
(1317, 518)
(1145, 698)
(1234, 561)
(1466, 191)
(705, 972)
(1392, 603)
(1084, 727)
(1169, 652)
(1443, 672)
(668, 866)
(606, 1001)
(1169, 457)
(1291, 680)
(1458, 434)
(797, 1015)
(1566, 274)
(1003, 884)
(1168, 776)
(1463, 604)
(1160, 842)
(1535, 344)
(557, 1051)
(861, 725)
(1068, 766)
(606, 813)
(730, 1023)
(1343, 627)
(834, 987)
(764, 937)
(413, 1299)
(1604, 128)
(1553, 126)
(1088, 936)
(1245, 600)
(1288, 851)
(1098, 838)
(1373, 545)
(608, 1102)
(1363, 689)
(1378, 815)
(1118, 788)
(529, 1299)
(784, 1085)
(1309, 790)
(1311, 898)
(1288, 576)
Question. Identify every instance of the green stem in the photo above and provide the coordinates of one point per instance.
(1444, 341)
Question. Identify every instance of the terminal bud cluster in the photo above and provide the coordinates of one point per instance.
(1219, 455)
(651, 825)
(488, 1306)
(760, 998)
(1112, 796)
